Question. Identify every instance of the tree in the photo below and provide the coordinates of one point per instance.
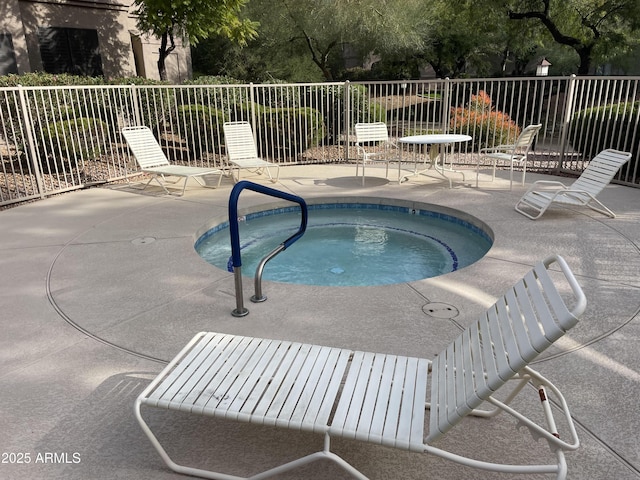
(478, 38)
(324, 28)
(593, 28)
(460, 41)
(193, 21)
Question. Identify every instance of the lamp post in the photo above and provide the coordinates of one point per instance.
(542, 70)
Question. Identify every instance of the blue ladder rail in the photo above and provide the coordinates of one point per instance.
(240, 310)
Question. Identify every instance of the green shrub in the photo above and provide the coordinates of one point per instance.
(276, 95)
(487, 126)
(330, 101)
(200, 127)
(222, 95)
(363, 110)
(356, 74)
(282, 129)
(37, 79)
(108, 105)
(71, 141)
(152, 102)
(45, 105)
(610, 126)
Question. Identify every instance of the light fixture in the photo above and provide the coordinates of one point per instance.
(542, 70)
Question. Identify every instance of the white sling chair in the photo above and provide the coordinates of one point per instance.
(152, 160)
(383, 398)
(242, 151)
(516, 153)
(382, 150)
(581, 193)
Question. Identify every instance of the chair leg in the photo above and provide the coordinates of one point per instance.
(197, 472)
(155, 177)
(600, 208)
(184, 185)
(477, 171)
(511, 176)
(150, 180)
(273, 180)
(204, 184)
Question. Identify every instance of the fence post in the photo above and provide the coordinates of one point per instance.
(136, 105)
(568, 113)
(446, 105)
(252, 102)
(347, 118)
(33, 151)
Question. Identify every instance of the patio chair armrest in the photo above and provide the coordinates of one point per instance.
(393, 149)
(497, 148)
(580, 298)
(548, 183)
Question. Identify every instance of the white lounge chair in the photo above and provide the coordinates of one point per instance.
(382, 398)
(242, 152)
(516, 153)
(152, 160)
(373, 144)
(582, 193)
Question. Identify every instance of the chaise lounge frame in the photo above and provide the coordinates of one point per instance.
(152, 160)
(581, 193)
(381, 398)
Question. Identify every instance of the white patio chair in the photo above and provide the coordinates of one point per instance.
(516, 153)
(152, 160)
(383, 398)
(373, 144)
(242, 152)
(582, 193)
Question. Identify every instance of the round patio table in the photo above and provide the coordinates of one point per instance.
(441, 141)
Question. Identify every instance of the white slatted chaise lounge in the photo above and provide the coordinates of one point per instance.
(581, 193)
(152, 160)
(382, 398)
(242, 151)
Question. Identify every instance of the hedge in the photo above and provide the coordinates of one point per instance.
(593, 129)
(283, 128)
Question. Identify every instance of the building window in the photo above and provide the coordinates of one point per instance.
(70, 50)
(8, 62)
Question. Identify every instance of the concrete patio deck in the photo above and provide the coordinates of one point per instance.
(100, 287)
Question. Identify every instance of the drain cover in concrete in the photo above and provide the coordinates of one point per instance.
(440, 310)
(143, 240)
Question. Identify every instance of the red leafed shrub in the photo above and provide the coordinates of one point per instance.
(487, 126)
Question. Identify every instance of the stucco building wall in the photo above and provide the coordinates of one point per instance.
(123, 50)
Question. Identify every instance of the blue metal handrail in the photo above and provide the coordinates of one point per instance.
(236, 260)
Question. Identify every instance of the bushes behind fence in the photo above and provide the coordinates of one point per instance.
(487, 126)
(200, 127)
(610, 126)
(280, 130)
(68, 143)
